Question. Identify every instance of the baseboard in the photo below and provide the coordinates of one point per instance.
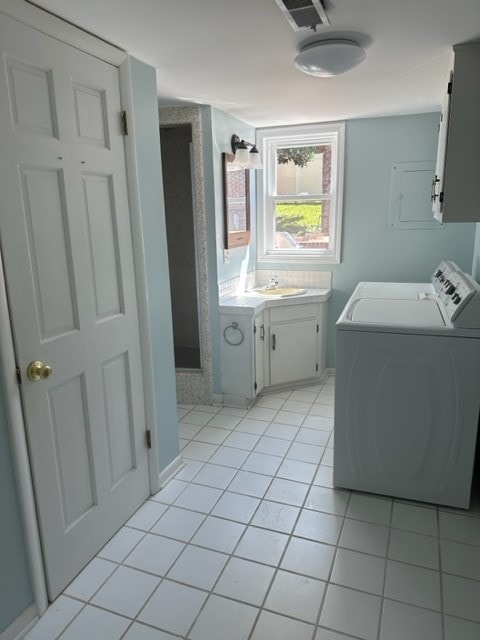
(293, 385)
(168, 473)
(22, 625)
(217, 400)
(240, 402)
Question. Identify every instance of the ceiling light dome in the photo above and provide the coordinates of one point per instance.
(329, 57)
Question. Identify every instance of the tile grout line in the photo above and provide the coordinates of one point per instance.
(384, 582)
(277, 568)
(441, 579)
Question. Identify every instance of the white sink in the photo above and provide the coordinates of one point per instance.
(280, 292)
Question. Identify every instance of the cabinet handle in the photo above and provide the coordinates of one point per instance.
(274, 342)
(434, 195)
(262, 332)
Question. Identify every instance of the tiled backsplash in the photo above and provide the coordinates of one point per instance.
(236, 286)
(305, 279)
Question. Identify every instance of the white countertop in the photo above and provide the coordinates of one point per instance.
(251, 303)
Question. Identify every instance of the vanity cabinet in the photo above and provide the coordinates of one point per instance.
(281, 345)
(457, 174)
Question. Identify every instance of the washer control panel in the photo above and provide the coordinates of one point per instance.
(442, 274)
(458, 294)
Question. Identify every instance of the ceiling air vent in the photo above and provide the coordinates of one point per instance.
(304, 14)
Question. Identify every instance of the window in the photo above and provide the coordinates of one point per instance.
(300, 196)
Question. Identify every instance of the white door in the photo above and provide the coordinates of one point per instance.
(67, 250)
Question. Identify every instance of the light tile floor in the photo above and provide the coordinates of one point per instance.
(251, 541)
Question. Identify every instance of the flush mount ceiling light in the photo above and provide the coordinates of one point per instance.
(327, 58)
(244, 158)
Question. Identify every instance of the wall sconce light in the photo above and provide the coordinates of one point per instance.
(244, 158)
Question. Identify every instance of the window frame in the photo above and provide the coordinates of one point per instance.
(268, 141)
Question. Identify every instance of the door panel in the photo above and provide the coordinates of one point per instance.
(90, 115)
(103, 241)
(73, 445)
(67, 249)
(43, 194)
(31, 93)
(118, 410)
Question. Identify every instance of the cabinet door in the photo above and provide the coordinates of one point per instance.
(293, 351)
(438, 180)
(458, 193)
(259, 353)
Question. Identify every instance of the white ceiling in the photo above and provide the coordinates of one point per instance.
(237, 55)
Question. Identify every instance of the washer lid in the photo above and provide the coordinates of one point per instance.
(404, 290)
(417, 313)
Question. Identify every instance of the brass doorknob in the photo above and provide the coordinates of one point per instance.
(38, 371)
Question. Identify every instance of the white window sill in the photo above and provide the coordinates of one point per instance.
(288, 258)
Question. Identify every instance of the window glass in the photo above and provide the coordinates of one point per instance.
(304, 170)
(298, 224)
(300, 195)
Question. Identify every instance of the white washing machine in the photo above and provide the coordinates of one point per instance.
(407, 391)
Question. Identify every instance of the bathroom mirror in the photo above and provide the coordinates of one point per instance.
(236, 190)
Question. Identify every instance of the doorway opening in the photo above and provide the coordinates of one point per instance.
(177, 154)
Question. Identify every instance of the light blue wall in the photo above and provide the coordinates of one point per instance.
(145, 118)
(15, 592)
(218, 130)
(241, 258)
(371, 250)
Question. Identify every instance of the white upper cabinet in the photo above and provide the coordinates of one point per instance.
(457, 176)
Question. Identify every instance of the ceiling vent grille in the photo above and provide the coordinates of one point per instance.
(304, 14)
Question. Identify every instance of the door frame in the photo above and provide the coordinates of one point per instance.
(69, 34)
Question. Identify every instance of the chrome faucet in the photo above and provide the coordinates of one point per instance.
(272, 283)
